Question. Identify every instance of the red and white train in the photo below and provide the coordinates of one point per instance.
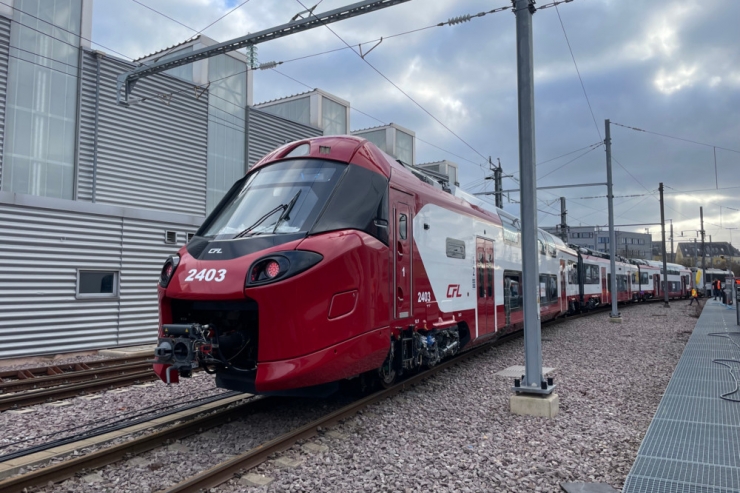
(330, 260)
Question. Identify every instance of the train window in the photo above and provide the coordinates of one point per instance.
(621, 282)
(455, 248)
(548, 289)
(97, 284)
(541, 242)
(402, 226)
(512, 289)
(572, 272)
(481, 270)
(511, 227)
(284, 197)
(644, 278)
(550, 245)
(591, 274)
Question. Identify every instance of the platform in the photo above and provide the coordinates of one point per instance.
(693, 442)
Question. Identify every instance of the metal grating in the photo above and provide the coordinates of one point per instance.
(693, 442)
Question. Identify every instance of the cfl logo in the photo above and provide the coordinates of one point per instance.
(453, 291)
(214, 250)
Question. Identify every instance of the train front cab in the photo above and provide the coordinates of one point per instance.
(279, 286)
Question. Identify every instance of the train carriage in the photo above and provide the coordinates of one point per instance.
(330, 260)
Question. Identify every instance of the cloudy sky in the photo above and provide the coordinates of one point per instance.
(670, 67)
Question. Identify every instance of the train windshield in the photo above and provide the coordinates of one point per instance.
(285, 197)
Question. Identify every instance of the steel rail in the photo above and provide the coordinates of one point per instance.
(51, 370)
(83, 375)
(30, 398)
(68, 468)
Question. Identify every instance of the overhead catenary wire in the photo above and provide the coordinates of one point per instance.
(585, 94)
(675, 138)
(364, 59)
(168, 51)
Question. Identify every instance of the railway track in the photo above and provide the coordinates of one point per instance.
(22, 388)
(54, 375)
(225, 471)
(185, 423)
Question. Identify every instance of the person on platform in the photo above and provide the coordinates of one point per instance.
(694, 297)
(717, 284)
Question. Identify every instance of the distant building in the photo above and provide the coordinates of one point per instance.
(315, 108)
(392, 139)
(444, 167)
(629, 244)
(715, 251)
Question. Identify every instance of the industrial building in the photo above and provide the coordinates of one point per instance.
(629, 244)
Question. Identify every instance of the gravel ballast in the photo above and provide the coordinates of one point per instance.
(34, 425)
(455, 432)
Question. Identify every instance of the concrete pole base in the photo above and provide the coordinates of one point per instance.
(545, 406)
(616, 320)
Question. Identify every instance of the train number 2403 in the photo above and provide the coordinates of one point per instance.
(425, 297)
(206, 275)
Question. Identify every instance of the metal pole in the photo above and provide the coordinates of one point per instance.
(498, 186)
(696, 253)
(673, 254)
(703, 254)
(612, 236)
(533, 381)
(563, 220)
(711, 255)
(665, 262)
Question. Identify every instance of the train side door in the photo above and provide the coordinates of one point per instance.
(563, 293)
(656, 282)
(402, 250)
(484, 279)
(604, 287)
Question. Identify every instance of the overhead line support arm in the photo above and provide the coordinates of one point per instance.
(127, 80)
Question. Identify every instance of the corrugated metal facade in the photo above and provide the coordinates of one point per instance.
(151, 154)
(266, 132)
(41, 252)
(4, 59)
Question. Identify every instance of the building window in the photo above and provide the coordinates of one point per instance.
(603, 239)
(226, 110)
(97, 284)
(404, 147)
(42, 98)
(378, 138)
(334, 117)
(298, 110)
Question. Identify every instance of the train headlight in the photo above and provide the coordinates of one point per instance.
(272, 269)
(280, 266)
(168, 270)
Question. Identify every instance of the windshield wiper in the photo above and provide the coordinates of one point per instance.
(261, 220)
(286, 212)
